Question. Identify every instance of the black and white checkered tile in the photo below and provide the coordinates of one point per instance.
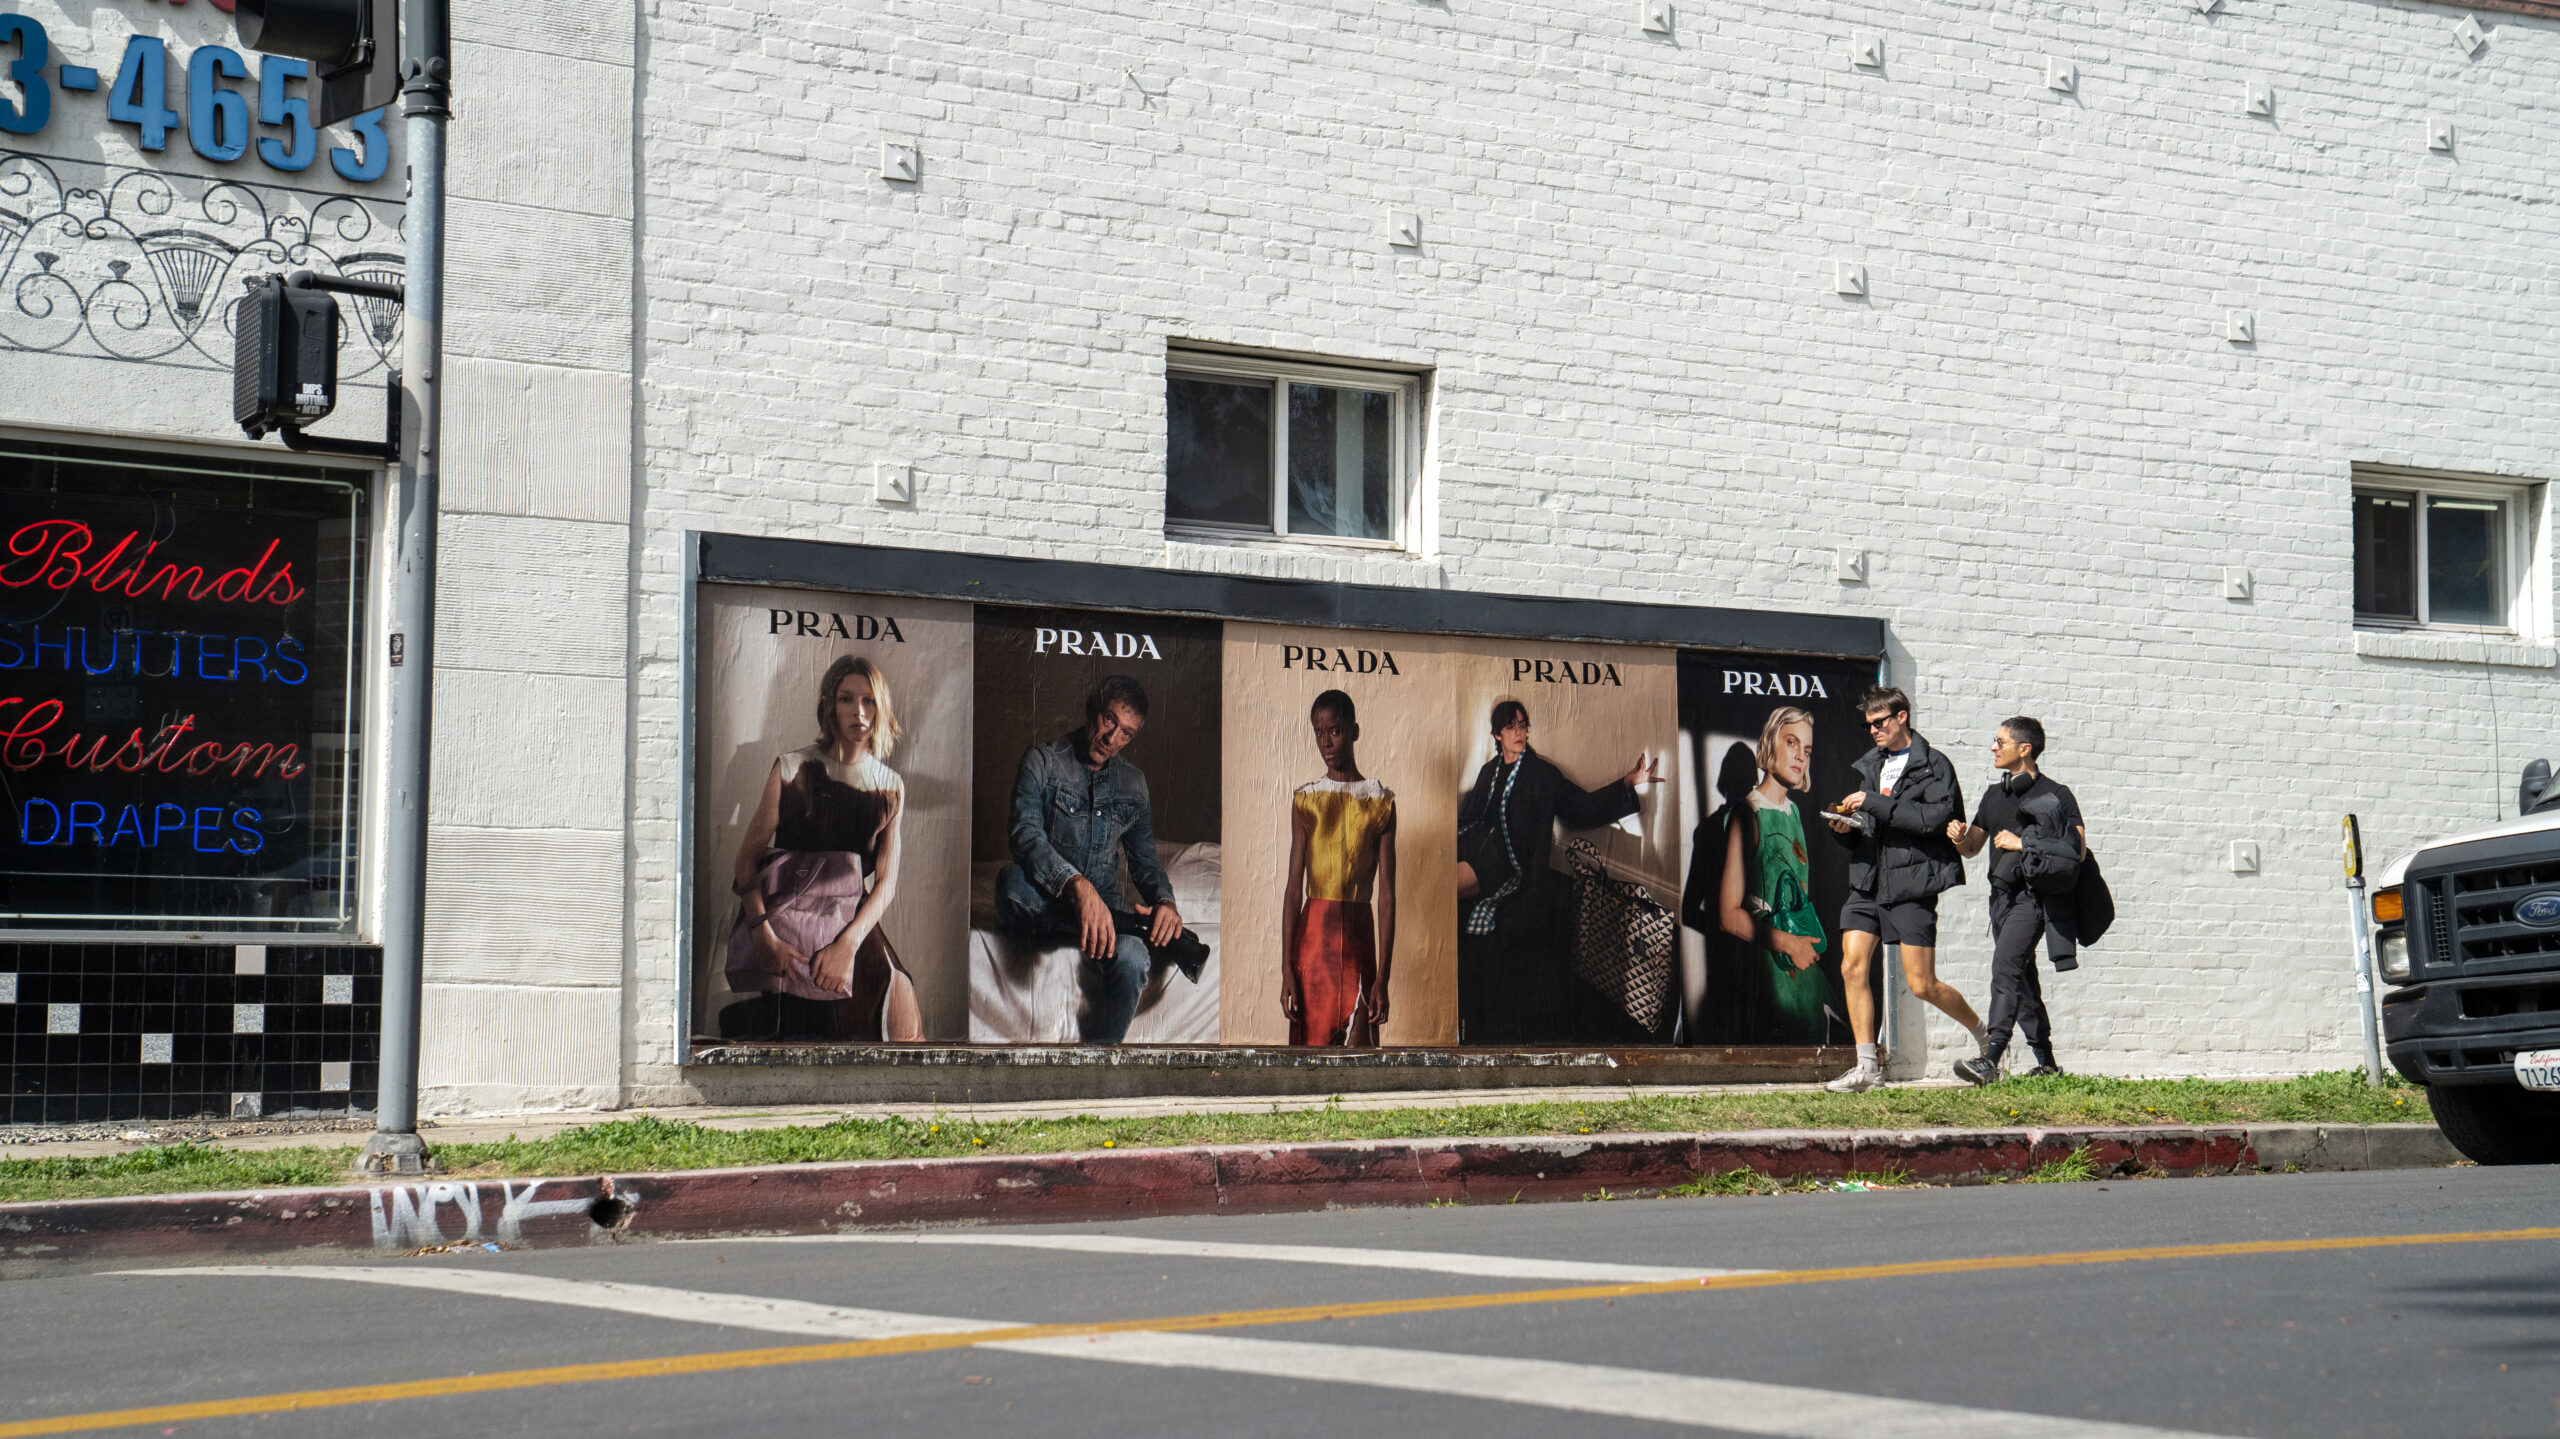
(175, 1031)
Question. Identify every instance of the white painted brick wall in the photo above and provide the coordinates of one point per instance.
(527, 948)
(1645, 387)
(703, 310)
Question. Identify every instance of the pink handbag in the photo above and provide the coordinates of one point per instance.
(809, 898)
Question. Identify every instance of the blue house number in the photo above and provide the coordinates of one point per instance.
(217, 121)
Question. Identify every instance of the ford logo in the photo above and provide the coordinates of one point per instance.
(2540, 909)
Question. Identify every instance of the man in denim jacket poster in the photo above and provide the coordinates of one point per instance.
(1078, 807)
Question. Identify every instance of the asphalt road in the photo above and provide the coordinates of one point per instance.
(1917, 1312)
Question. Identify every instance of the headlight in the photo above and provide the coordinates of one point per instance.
(2391, 954)
(2386, 905)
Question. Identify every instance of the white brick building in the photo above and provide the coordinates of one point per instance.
(684, 298)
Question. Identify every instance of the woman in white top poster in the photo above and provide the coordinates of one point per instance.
(816, 871)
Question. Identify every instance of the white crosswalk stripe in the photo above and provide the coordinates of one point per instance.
(1782, 1411)
(690, 1306)
(1735, 1405)
(1485, 1266)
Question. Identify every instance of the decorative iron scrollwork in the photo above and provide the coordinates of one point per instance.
(117, 263)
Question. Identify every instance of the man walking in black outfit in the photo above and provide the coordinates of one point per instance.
(2037, 845)
(1897, 829)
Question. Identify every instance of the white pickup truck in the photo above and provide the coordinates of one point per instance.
(2467, 940)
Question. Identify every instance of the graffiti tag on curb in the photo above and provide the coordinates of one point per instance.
(414, 1216)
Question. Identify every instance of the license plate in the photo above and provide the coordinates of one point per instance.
(2538, 1069)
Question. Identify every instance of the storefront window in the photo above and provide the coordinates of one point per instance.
(179, 694)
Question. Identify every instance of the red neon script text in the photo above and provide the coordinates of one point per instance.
(23, 746)
(55, 554)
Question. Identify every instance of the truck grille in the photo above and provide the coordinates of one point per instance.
(2499, 1001)
(2471, 917)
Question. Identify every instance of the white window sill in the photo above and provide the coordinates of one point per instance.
(1264, 539)
(2453, 647)
(1277, 558)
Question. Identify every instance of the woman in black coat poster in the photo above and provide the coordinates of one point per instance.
(1515, 956)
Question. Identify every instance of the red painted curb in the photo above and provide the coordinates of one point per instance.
(68, 1235)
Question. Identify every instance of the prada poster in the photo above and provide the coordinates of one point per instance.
(1767, 743)
(944, 821)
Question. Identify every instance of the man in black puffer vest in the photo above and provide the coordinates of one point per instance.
(1901, 860)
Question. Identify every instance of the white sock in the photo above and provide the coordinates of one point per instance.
(1981, 1039)
(1866, 1056)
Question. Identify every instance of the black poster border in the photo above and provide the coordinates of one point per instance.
(1083, 584)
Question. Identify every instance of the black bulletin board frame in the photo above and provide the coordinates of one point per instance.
(1078, 584)
(716, 558)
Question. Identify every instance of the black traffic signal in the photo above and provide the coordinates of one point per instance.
(354, 45)
(284, 359)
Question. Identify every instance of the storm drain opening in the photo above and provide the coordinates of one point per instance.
(608, 1212)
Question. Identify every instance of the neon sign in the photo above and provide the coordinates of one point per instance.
(23, 746)
(229, 658)
(176, 702)
(62, 824)
(51, 553)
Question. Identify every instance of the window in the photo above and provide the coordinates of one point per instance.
(2439, 552)
(1301, 451)
(184, 710)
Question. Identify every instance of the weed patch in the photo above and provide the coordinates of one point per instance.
(1734, 1182)
(2071, 1168)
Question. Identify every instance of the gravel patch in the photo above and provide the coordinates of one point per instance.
(187, 1131)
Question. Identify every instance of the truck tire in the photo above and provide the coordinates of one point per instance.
(2498, 1123)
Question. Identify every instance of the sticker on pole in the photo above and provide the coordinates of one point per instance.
(2538, 1069)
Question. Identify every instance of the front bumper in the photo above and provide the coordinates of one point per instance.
(2468, 1031)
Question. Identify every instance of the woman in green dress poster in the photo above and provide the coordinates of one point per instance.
(1767, 896)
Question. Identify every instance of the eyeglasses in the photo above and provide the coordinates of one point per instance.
(1884, 723)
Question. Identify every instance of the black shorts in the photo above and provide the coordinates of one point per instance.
(1913, 921)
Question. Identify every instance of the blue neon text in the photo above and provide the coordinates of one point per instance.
(153, 654)
(206, 829)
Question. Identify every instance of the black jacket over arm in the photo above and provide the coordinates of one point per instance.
(1901, 852)
(1539, 798)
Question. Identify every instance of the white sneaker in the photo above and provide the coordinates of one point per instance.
(1858, 1080)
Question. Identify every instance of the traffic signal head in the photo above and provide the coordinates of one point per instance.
(353, 46)
(284, 358)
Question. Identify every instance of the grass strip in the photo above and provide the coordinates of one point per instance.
(648, 1143)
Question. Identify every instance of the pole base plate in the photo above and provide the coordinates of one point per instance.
(395, 1153)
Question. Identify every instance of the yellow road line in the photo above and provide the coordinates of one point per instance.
(735, 1359)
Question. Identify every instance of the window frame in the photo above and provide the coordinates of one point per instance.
(360, 725)
(2516, 542)
(1404, 391)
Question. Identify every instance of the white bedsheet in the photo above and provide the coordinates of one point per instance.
(1023, 993)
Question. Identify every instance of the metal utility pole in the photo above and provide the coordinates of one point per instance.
(2360, 941)
(426, 76)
